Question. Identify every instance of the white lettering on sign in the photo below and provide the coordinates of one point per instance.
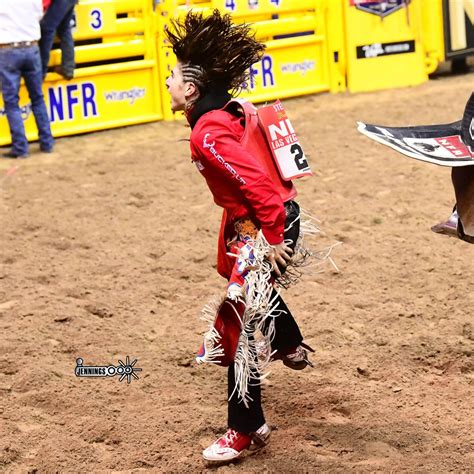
(130, 95)
(397, 48)
(450, 147)
(280, 134)
(373, 50)
(291, 139)
(284, 128)
(442, 147)
(278, 107)
(281, 130)
(458, 9)
(302, 67)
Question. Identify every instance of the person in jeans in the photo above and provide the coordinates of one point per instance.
(20, 58)
(57, 20)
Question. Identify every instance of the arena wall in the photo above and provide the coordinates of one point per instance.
(312, 46)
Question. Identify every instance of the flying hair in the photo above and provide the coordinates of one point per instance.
(213, 51)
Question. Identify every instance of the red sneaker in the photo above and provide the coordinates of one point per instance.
(228, 447)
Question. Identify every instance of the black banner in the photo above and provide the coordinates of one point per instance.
(376, 50)
(458, 28)
(450, 144)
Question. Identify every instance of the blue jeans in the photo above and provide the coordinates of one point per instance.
(16, 63)
(58, 20)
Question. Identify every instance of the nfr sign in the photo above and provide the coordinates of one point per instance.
(264, 69)
(71, 101)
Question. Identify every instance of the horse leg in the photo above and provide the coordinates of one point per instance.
(463, 182)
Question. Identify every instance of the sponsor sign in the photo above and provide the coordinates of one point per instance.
(442, 147)
(262, 72)
(381, 8)
(438, 144)
(284, 144)
(376, 50)
(123, 370)
(458, 27)
(239, 6)
(99, 102)
(94, 20)
(298, 68)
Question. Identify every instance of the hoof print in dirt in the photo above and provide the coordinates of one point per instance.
(99, 311)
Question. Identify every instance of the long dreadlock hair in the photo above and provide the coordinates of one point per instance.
(213, 51)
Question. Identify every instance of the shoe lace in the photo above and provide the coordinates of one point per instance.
(230, 437)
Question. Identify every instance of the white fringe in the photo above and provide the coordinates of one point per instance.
(212, 347)
(303, 255)
(258, 308)
(254, 352)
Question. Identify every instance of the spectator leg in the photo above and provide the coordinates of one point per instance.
(34, 82)
(10, 76)
(67, 45)
(49, 24)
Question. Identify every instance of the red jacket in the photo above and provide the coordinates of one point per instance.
(46, 4)
(237, 181)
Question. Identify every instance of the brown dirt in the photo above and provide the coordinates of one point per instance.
(108, 250)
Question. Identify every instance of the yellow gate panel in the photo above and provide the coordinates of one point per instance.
(116, 80)
(290, 67)
(105, 51)
(113, 97)
(384, 51)
(336, 44)
(95, 19)
(432, 33)
(297, 59)
(252, 9)
(104, 18)
(312, 46)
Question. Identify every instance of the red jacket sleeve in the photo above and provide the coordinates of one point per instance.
(217, 145)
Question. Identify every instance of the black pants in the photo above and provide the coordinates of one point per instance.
(287, 335)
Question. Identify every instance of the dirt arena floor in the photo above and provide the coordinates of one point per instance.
(108, 250)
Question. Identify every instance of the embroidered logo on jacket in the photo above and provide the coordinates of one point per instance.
(204, 142)
(227, 166)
